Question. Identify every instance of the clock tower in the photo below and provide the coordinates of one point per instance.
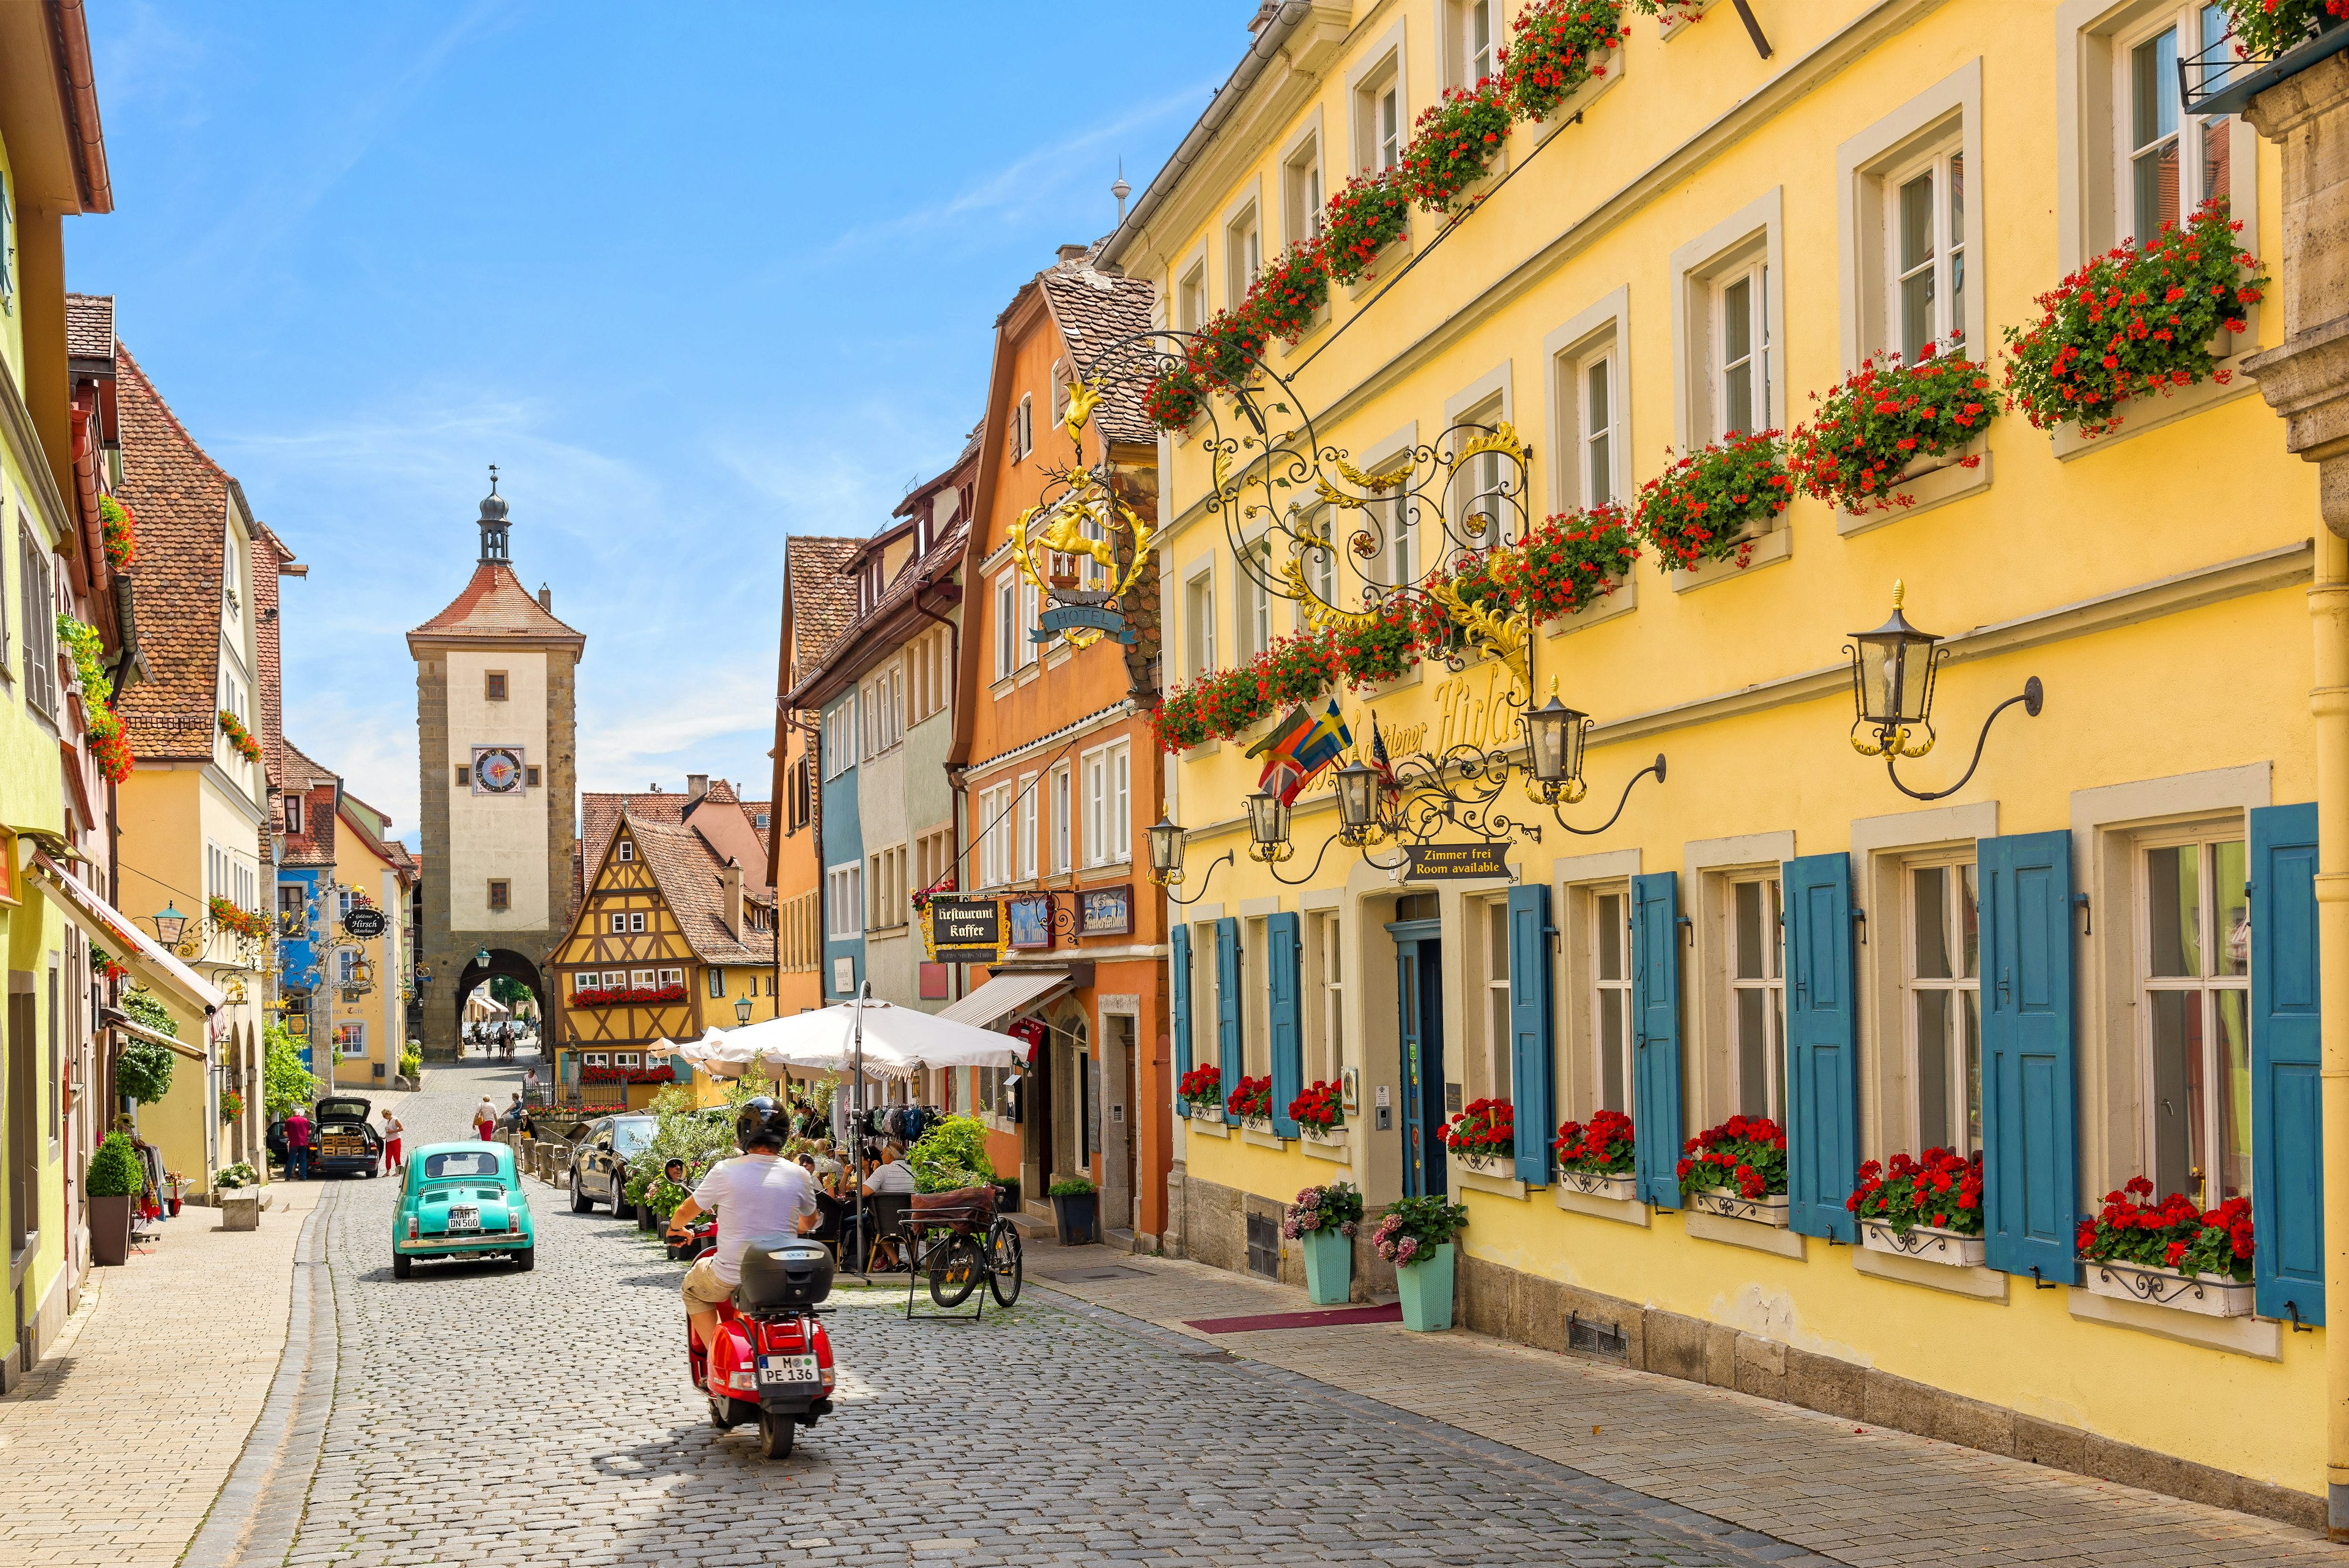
(496, 732)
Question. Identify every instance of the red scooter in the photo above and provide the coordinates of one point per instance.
(772, 1359)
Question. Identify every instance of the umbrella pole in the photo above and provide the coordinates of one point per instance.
(856, 1137)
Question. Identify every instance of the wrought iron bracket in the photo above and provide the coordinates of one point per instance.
(1297, 881)
(1205, 879)
(2030, 697)
(1656, 767)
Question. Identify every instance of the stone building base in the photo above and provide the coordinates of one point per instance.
(1548, 1314)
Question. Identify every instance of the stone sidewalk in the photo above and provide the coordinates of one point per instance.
(1861, 1495)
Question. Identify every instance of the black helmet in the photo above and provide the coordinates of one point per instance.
(762, 1121)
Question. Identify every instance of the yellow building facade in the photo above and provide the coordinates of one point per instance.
(362, 1012)
(1699, 239)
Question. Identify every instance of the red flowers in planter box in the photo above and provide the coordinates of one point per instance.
(1369, 214)
(240, 739)
(1568, 562)
(662, 1074)
(1558, 48)
(1453, 141)
(1602, 1147)
(1885, 416)
(1252, 1098)
(1202, 1087)
(238, 922)
(1938, 1188)
(1744, 1155)
(1322, 1107)
(627, 996)
(1292, 286)
(1486, 1127)
(2172, 1234)
(2131, 322)
(1709, 505)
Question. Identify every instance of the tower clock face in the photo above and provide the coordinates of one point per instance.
(497, 770)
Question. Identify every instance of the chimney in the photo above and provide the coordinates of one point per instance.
(696, 786)
(730, 904)
(545, 599)
(1074, 253)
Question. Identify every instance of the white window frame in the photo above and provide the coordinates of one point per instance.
(627, 850)
(1253, 621)
(1304, 194)
(1486, 402)
(1243, 250)
(1491, 926)
(1771, 983)
(1326, 980)
(1030, 610)
(1610, 995)
(1463, 63)
(1191, 298)
(1006, 626)
(1748, 244)
(635, 923)
(1381, 124)
(844, 900)
(2206, 988)
(1064, 829)
(2186, 22)
(1025, 810)
(1943, 267)
(1960, 1087)
(1199, 619)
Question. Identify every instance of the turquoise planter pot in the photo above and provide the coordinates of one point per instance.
(1426, 1290)
(1329, 1268)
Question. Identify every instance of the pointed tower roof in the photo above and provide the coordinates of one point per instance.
(495, 607)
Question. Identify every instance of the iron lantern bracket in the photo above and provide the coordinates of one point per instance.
(2032, 697)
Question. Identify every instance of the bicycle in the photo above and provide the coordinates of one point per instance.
(942, 1243)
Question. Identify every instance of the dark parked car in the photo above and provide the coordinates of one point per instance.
(341, 1141)
(599, 1160)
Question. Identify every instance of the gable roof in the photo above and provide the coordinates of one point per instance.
(821, 601)
(600, 813)
(89, 326)
(919, 572)
(494, 604)
(692, 883)
(182, 499)
(1094, 308)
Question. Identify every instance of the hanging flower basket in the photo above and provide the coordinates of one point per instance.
(240, 739)
(239, 922)
(1289, 291)
(120, 531)
(2132, 323)
(1887, 421)
(1711, 505)
(1568, 562)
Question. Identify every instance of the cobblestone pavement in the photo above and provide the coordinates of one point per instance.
(480, 1416)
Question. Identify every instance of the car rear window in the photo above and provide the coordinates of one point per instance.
(482, 1162)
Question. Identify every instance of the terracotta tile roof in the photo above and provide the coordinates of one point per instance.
(318, 786)
(495, 603)
(180, 496)
(822, 602)
(302, 772)
(600, 813)
(89, 326)
(692, 883)
(1094, 309)
(917, 573)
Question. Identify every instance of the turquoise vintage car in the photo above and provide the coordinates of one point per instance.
(461, 1201)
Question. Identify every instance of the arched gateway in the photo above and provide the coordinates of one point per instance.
(496, 741)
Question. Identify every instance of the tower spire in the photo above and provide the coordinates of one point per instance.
(493, 523)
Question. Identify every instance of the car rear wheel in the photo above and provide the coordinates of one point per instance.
(400, 1265)
(775, 1434)
(525, 1260)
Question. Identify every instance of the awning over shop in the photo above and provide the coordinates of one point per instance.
(1006, 994)
(115, 1019)
(137, 951)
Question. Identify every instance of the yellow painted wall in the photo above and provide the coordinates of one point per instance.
(2217, 678)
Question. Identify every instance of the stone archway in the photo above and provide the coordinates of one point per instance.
(513, 966)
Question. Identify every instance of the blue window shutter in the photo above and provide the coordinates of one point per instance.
(2031, 1184)
(1656, 1047)
(1822, 1078)
(1288, 1018)
(1178, 960)
(1531, 1101)
(1228, 1010)
(2287, 1101)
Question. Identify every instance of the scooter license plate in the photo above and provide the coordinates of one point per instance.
(788, 1369)
(464, 1218)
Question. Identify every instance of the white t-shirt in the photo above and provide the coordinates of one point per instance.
(753, 1196)
(895, 1176)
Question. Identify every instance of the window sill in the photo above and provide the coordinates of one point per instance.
(1212, 1129)
(1581, 97)
(1003, 686)
(1771, 548)
(1622, 1210)
(887, 933)
(2153, 413)
(1969, 1280)
(1262, 1139)
(1060, 654)
(1335, 1153)
(1313, 330)
(2259, 1337)
(1382, 265)
(1945, 480)
(1622, 601)
(1202, 751)
(1745, 1234)
(1499, 1186)
(1033, 672)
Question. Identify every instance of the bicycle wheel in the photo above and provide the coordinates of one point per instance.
(1003, 1268)
(955, 1270)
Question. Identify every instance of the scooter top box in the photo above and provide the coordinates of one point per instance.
(785, 1272)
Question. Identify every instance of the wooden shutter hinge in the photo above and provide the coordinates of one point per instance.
(2081, 900)
(2292, 1307)
(2039, 1284)
(1688, 927)
(1859, 919)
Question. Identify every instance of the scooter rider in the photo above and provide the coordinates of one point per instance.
(759, 1194)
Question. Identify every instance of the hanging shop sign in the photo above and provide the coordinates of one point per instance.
(1062, 619)
(1105, 912)
(964, 931)
(1436, 862)
(1031, 918)
(364, 924)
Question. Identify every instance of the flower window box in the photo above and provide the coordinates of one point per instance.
(1927, 1243)
(1595, 1184)
(1493, 1165)
(2212, 1295)
(1770, 1209)
(1212, 1114)
(1326, 1137)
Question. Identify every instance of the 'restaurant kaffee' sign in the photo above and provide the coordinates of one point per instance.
(964, 931)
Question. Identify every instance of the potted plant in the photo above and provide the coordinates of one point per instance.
(1738, 1169)
(1888, 422)
(175, 1186)
(1324, 1220)
(1201, 1093)
(1252, 1103)
(1483, 1138)
(231, 1105)
(1369, 214)
(1452, 144)
(1559, 44)
(2171, 1253)
(1596, 1156)
(112, 1180)
(1319, 1113)
(1076, 1204)
(1416, 1236)
(1929, 1207)
(238, 1191)
(1712, 506)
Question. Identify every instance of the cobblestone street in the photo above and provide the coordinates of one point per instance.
(474, 1414)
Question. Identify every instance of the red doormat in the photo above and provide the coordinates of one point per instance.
(1325, 1318)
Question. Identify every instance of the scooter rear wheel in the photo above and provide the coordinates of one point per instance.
(775, 1434)
(718, 1416)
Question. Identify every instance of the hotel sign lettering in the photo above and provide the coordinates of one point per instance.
(1435, 862)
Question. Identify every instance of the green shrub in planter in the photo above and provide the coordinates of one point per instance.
(1072, 1187)
(114, 1170)
(236, 1176)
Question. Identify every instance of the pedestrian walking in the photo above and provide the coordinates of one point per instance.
(297, 1145)
(391, 1131)
(485, 1119)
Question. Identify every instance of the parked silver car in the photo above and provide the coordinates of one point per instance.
(600, 1152)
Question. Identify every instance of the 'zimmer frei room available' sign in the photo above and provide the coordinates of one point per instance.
(965, 930)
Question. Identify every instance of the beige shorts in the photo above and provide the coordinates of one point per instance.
(703, 1290)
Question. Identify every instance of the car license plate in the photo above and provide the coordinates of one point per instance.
(465, 1216)
(788, 1369)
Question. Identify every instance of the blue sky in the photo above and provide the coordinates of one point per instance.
(695, 278)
